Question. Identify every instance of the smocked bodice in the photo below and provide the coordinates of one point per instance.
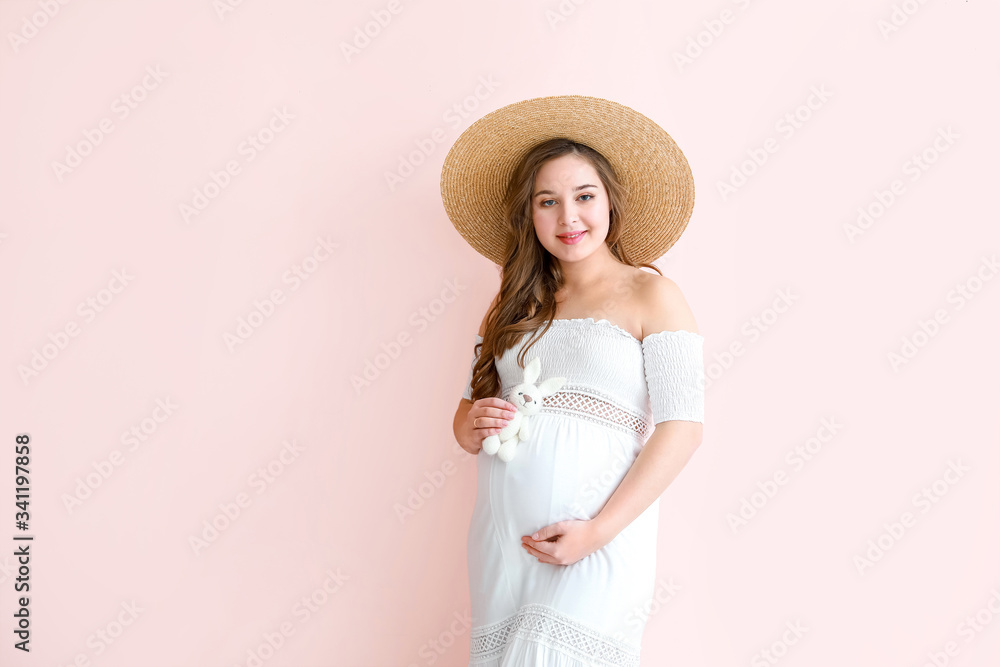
(611, 376)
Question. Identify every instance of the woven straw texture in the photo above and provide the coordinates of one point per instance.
(653, 170)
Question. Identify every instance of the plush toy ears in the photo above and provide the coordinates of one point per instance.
(532, 371)
(549, 386)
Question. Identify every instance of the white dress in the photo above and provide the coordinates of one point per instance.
(592, 612)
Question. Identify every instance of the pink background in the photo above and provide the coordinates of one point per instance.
(395, 587)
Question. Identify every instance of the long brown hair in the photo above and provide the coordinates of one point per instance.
(529, 277)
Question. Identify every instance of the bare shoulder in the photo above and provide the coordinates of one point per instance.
(664, 307)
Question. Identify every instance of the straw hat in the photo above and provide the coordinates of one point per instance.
(646, 160)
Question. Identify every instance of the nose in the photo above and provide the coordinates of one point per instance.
(527, 399)
(569, 215)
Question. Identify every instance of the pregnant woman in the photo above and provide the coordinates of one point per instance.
(570, 196)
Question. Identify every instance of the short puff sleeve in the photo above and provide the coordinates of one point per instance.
(675, 375)
(468, 388)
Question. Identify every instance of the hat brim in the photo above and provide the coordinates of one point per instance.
(651, 167)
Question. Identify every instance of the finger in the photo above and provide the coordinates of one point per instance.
(497, 403)
(546, 533)
(490, 420)
(543, 547)
(545, 558)
(498, 413)
(487, 425)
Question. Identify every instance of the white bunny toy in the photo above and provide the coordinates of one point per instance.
(527, 396)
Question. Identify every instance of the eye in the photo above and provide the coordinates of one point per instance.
(544, 201)
(591, 197)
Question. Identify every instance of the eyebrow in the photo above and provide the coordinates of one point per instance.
(549, 192)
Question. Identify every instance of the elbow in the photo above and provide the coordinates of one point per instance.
(687, 434)
(691, 440)
(695, 435)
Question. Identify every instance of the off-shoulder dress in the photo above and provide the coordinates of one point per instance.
(592, 612)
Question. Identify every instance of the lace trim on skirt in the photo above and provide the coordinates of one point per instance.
(545, 625)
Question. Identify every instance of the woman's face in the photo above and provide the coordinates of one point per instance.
(569, 198)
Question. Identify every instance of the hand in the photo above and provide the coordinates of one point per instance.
(486, 417)
(565, 542)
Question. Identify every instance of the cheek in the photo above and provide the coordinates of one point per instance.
(544, 222)
(541, 216)
(602, 221)
(602, 215)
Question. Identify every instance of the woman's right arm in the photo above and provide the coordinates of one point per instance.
(461, 416)
(492, 413)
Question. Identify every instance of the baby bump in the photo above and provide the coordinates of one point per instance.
(566, 469)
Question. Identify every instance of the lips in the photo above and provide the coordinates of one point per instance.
(571, 238)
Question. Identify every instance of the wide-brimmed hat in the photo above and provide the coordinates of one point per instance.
(653, 170)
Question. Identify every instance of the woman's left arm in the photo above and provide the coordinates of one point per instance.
(659, 462)
(675, 373)
(661, 459)
(673, 441)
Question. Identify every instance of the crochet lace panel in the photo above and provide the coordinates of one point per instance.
(674, 368)
(586, 403)
(545, 625)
